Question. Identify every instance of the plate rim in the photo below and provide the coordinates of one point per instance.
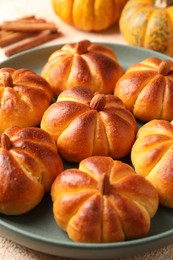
(96, 246)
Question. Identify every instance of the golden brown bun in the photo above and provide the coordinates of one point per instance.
(147, 89)
(103, 201)
(85, 124)
(152, 157)
(29, 163)
(84, 63)
(24, 96)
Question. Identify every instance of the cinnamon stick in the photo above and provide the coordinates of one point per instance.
(12, 37)
(8, 37)
(31, 42)
(30, 20)
(25, 33)
(27, 26)
(24, 18)
(27, 17)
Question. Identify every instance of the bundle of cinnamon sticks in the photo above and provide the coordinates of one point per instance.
(25, 33)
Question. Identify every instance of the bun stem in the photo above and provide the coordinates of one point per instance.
(104, 184)
(5, 142)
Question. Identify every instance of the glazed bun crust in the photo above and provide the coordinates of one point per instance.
(152, 157)
(84, 124)
(24, 96)
(29, 163)
(85, 64)
(103, 201)
(146, 89)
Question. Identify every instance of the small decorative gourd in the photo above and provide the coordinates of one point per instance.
(148, 24)
(89, 15)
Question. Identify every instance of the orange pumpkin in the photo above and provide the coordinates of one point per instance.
(89, 15)
(148, 24)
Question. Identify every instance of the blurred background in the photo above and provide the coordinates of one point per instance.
(14, 9)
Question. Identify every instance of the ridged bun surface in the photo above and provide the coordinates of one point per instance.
(86, 124)
(83, 63)
(29, 163)
(146, 88)
(103, 200)
(24, 96)
(152, 157)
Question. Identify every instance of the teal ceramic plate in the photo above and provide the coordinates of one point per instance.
(37, 229)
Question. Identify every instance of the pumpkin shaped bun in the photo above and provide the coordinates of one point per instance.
(24, 96)
(29, 163)
(152, 157)
(103, 200)
(146, 89)
(86, 124)
(82, 64)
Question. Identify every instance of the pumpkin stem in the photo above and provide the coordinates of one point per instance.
(5, 142)
(6, 79)
(163, 3)
(165, 67)
(104, 184)
(98, 102)
(82, 47)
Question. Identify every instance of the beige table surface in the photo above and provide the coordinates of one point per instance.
(11, 9)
